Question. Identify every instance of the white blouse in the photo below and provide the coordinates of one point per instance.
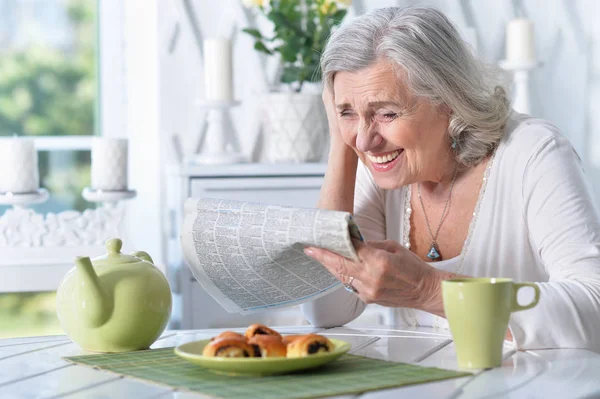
(535, 221)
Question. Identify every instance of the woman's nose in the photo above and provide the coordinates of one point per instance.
(367, 137)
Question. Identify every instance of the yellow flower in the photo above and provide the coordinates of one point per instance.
(256, 3)
(328, 7)
(331, 6)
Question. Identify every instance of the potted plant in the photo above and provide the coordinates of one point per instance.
(295, 120)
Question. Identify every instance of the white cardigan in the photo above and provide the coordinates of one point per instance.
(537, 222)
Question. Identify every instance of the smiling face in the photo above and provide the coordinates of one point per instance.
(401, 138)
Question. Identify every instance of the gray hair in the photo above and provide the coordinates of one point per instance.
(437, 65)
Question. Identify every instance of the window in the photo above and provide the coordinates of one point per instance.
(28, 313)
(49, 91)
(48, 88)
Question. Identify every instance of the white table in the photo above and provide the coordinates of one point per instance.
(33, 368)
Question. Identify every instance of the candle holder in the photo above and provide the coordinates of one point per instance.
(216, 149)
(110, 199)
(521, 70)
(20, 200)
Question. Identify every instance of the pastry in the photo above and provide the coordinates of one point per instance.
(260, 329)
(228, 334)
(228, 347)
(288, 339)
(309, 344)
(267, 346)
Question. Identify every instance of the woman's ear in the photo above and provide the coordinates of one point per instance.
(444, 109)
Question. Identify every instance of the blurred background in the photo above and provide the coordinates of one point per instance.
(74, 69)
(48, 87)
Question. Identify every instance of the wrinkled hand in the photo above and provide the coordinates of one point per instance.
(332, 118)
(388, 274)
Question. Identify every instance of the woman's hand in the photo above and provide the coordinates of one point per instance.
(388, 274)
(337, 190)
(336, 141)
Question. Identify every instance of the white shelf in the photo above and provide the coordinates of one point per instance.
(248, 170)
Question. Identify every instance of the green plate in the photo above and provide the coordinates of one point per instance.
(192, 352)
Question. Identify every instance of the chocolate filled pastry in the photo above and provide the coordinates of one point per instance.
(260, 329)
(228, 347)
(228, 334)
(288, 339)
(267, 346)
(309, 344)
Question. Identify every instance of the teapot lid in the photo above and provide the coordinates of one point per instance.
(114, 255)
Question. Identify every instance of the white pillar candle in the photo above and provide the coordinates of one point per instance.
(109, 164)
(520, 45)
(217, 70)
(18, 166)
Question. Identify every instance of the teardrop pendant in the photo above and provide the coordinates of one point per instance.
(433, 254)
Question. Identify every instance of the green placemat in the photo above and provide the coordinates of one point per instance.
(349, 374)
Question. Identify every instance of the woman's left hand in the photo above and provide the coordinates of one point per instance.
(388, 274)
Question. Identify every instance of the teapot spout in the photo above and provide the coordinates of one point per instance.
(95, 306)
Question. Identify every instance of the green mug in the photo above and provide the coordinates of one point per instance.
(478, 310)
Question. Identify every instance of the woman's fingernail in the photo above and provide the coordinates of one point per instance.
(309, 252)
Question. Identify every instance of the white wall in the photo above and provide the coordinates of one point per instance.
(565, 90)
(131, 71)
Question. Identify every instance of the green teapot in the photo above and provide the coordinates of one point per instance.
(115, 302)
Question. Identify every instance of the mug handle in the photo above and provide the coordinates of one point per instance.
(515, 305)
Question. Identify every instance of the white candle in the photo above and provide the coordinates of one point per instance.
(520, 46)
(18, 166)
(109, 164)
(217, 70)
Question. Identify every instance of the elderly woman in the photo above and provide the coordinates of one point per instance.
(445, 180)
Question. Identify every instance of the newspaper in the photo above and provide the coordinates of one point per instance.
(249, 256)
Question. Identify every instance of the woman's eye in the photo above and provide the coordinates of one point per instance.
(390, 116)
(345, 113)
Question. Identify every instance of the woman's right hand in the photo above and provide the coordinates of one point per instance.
(335, 135)
(337, 190)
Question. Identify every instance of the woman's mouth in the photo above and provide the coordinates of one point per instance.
(384, 162)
